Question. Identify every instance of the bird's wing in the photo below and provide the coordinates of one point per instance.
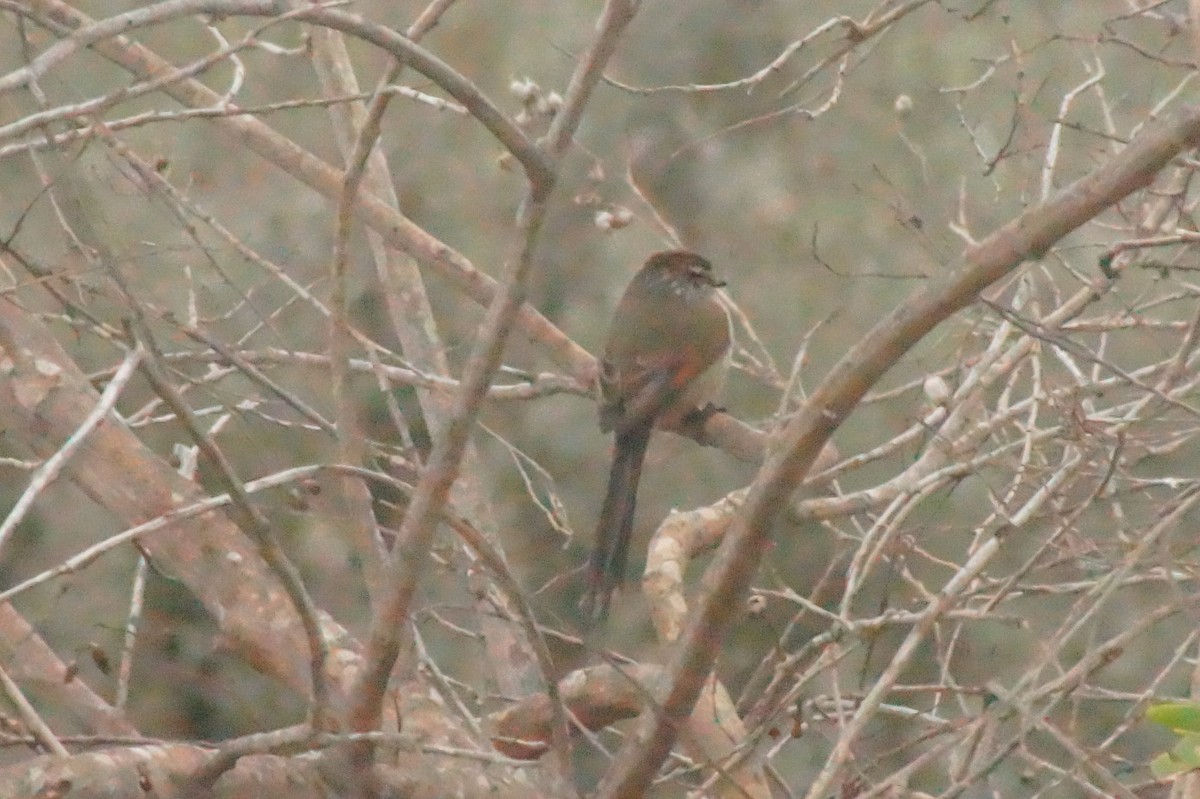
(636, 395)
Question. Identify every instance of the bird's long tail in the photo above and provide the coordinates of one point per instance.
(610, 550)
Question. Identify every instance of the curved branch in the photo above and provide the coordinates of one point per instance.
(537, 166)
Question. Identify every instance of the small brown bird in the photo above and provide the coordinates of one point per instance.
(664, 361)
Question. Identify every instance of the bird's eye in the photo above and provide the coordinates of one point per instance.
(701, 274)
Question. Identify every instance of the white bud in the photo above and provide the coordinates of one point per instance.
(612, 218)
(523, 89)
(937, 389)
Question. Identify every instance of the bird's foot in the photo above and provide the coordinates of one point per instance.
(694, 423)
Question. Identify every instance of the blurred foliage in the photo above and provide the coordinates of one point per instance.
(1183, 719)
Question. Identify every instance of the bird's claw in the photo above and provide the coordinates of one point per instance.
(695, 422)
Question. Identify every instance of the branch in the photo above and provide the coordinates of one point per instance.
(159, 770)
(416, 533)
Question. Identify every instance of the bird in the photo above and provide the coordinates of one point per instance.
(664, 360)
